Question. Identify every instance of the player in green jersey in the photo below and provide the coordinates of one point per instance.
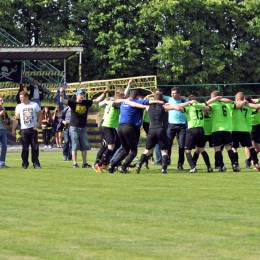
(195, 136)
(241, 126)
(109, 133)
(255, 131)
(107, 129)
(221, 128)
(208, 136)
(146, 125)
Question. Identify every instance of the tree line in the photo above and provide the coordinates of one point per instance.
(182, 41)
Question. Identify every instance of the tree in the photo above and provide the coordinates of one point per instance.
(201, 41)
(118, 43)
(180, 41)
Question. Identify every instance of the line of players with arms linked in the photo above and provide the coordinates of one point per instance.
(233, 123)
(220, 121)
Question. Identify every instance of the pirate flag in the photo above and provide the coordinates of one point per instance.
(11, 72)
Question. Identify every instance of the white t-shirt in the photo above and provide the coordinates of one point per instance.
(36, 92)
(28, 114)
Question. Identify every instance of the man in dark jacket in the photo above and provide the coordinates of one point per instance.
(35, 92)
(64, 122)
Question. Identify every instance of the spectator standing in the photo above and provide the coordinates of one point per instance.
(60, 104)
(36, 92)
(64, 122)
(57, 131)
(30, 116)
(4, 121)
(21, 88)
(77, 130)
(46, 127)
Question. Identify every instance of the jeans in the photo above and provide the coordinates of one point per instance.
(67, 146)
(158, 154)
(79, 138)
(178, 130)
(116, 154)
(38, 101)
(3, 141)
(62, 106)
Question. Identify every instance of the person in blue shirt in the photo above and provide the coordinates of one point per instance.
(177, 125)
(129, 131)
(61, 105)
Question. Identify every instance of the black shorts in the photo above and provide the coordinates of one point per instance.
(157, 135)
(146, 127)
(208, 138)
(195, 137)
(221, 138)
(255, 134)
(243, 138)
(109, 134)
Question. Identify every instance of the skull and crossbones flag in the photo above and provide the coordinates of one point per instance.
(11, 72)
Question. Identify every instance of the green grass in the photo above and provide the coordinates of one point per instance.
(59, 212)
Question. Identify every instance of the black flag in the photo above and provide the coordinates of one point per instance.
(11, 72)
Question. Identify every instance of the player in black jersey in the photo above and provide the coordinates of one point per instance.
(157, 133)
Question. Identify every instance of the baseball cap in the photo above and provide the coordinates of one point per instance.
(79, 91)
(65, 83)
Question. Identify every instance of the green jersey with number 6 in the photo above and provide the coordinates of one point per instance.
(221, 114)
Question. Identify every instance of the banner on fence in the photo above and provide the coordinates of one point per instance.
(43, 73)
(11, 72)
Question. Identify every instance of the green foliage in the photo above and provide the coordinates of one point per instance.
(114, 34)
(181, 41)
(205, 41)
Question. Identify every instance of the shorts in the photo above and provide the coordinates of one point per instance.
(109, 135)
(157, 135)
(195, 138)
(208, 138)
(79, 138)
(146, 126)
(255, 134)
(221, 138)
(243, 138)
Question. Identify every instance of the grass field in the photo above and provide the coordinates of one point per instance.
(59, 212)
